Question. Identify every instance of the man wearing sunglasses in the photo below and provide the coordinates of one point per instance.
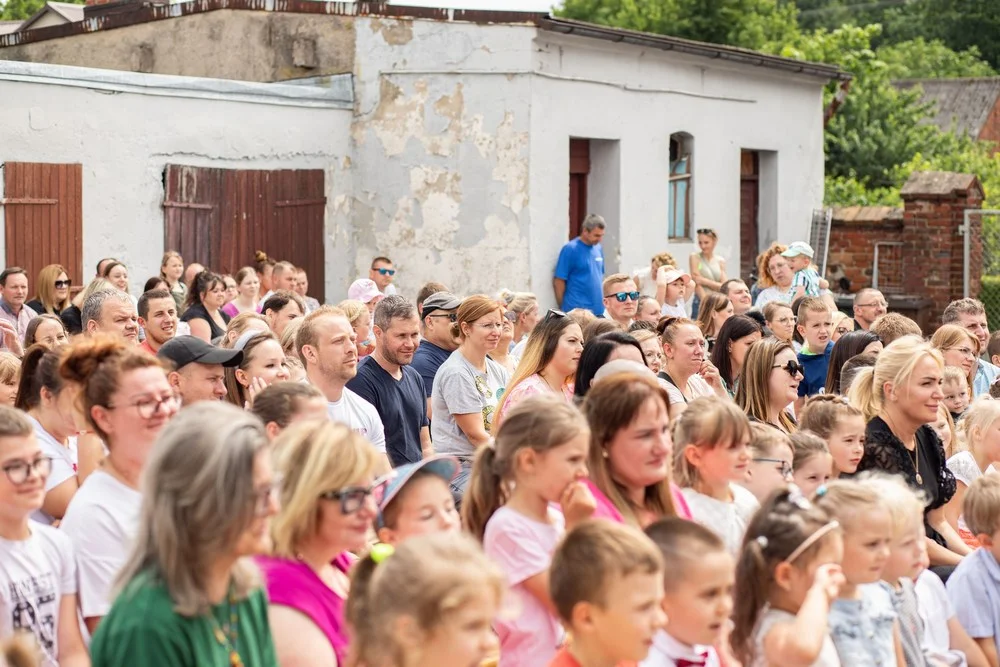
(621, 298)
(580, 269)
(383, 273)
(438, 313)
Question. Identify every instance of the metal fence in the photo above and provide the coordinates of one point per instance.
(989, 292)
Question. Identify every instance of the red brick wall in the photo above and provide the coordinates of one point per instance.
(991, 128)
(852, 245)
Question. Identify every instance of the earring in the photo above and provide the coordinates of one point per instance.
(604, 453)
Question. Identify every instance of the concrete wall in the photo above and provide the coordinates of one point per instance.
(124, 140)
(224, 44)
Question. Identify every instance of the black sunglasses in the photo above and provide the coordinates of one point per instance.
(451, 316)
(63, 283)
(622, 297)
(793, 368)
(553, 314)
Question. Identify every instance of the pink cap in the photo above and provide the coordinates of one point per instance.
(363, 290)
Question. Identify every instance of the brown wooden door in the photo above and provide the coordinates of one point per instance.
(579, 169)
(749, 205)
(43, 209)
(231, 213)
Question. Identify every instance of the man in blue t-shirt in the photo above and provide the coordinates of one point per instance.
(580, 269)
(386, 380)
(438, 314)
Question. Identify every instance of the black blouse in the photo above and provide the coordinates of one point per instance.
(198, 312)
(886, 453)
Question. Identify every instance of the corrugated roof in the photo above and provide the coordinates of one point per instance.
(7, 27)
(961, 104)
(68, 11)
(121, 13)
(867, 214)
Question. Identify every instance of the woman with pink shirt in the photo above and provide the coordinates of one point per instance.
(548, 364)
(630, 450)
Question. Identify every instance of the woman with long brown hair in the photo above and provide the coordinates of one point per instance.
(769, 384)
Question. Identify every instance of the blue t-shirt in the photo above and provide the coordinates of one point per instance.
(974, 591)
(426, 361)
(582, 267)
(400, 403)
(816, 366)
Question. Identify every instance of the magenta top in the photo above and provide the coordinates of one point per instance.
(294, 584)
(231, 309)
(607, 510)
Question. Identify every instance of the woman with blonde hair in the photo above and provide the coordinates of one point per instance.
(549, 363)
(52, 287)
(361, 321)
(960, 349)
(240, 324)
(189, 597)
(774, 276)
(295, 368)
(899, 397)
(263, 363)
(468, 386)
(522, 311)
(707, 270)
(172, 272)
(329, 500)
(769, 384)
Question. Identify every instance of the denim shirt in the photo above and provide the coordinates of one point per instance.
(985, 374)
(862, 629)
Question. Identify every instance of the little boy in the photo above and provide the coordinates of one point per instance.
(815, 325)
(606, 582)
(807, 279)
(974, 586)
(418, 500)
(698, 594)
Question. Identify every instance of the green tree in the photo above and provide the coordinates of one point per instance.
(922, 59)
(20, 10)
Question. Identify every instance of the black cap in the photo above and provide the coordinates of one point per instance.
(184, 350)
(439, 301)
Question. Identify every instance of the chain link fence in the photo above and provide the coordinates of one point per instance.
(989, 292)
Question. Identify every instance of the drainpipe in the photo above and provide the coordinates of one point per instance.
(836, 102)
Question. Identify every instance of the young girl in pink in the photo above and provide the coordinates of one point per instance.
(539, 459)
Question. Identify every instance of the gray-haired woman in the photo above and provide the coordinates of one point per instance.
(188, 597)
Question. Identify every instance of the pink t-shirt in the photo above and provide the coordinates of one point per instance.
(523, 547)
(607, 510)
(532, 386)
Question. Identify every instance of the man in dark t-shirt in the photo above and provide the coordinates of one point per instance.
(388, 381)
(438, 314)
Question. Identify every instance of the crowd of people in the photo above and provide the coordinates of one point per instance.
(672, 468)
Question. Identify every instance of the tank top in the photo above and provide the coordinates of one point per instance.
(710, 269)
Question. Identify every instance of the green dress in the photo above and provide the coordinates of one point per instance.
(142, 628)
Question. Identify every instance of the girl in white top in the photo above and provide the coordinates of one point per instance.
(37, 572)
(981, 425)
(127, 401)
(787, 576)
(675, 287)
(711, 458)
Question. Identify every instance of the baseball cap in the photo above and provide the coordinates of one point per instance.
(184, 350)
(672, 275)
(363, 290)
(799, 248)
(445, 467)
(439, 301)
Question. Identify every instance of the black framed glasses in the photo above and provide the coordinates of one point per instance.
(793, 368)
(387, 272)
(784, 467)
(451, 316)
(704, 231)
(553, 314)
(19, 471)
(352, 498)
(63, 283)
(147, 407)
(622, 297)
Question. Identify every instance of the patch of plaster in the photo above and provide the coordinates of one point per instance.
(510, 168)
(394, 32)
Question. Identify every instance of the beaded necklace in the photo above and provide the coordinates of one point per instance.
(228, 634)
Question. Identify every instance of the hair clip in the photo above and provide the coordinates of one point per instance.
(796, 498)
(821, 491)
(761, 541)
(380, 552)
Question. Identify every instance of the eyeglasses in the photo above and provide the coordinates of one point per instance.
(788, 320)
(623, 296)
(147, 407)
(793, 368)
(491, 327)
(874, 304)
(964, 351)
(264, 496)
(387, 272)
(63, 283)
(553, 314)
(353, 498)
(451, 316)
(18, 471)
(785, 467)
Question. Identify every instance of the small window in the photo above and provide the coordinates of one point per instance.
(679, 220)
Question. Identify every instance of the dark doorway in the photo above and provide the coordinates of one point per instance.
(749, 206)
(579, 169)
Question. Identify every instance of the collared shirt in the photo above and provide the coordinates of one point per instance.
(145, 347)
(19, 320)
(667, 652)
(974, 591)
(985, 374)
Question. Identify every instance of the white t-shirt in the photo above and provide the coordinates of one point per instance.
(728, 520)
(34, 575)
(697, 387)
(360, 415)
(389, 290)
(965, 469)
(102, 521)
(936, 610)
(64, 462)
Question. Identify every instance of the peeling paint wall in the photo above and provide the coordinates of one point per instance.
(124, 140)
(225, 44)
(441, 155)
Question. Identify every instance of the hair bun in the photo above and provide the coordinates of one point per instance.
(260, 256)
(83, 357)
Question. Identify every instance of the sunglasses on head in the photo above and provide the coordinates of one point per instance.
(793, 368)
(622, 297)
(387, 272)
(553, 314)
(63, 283)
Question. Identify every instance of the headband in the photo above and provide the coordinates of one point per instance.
(242, 341)
(812, 539)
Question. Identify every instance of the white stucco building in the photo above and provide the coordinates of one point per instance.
(444, 138)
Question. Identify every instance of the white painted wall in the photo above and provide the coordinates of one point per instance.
(124, 140)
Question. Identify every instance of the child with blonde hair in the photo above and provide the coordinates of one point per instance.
(427, 603)
(711, 459)
(981, 426)
(771, 463)
(812, 465)
(863, 621)
(841, 425)
(956, 391)
(539, 459)
(787, 576)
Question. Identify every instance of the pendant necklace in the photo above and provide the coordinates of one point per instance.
(916, 463)
(227, 635)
